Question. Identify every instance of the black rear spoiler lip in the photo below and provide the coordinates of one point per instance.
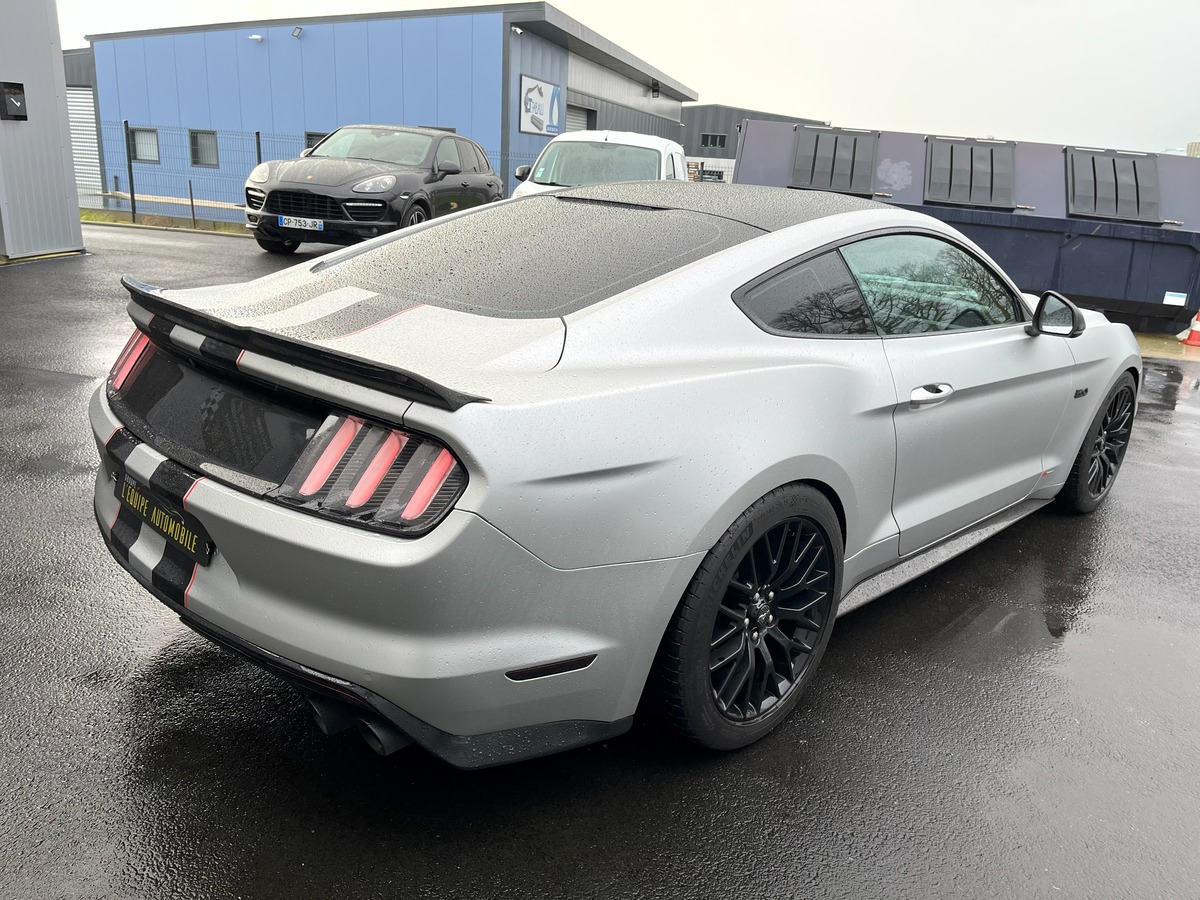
(324, 360)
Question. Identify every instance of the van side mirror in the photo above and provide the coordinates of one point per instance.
(1056, 315)
(522, 172)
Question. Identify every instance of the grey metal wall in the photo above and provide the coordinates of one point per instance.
(587, 77)
(614, 117)
(80, 67)
(712, 118)
(39, 211)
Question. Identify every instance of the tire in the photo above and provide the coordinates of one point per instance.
(415, 216)
(1099, 459)
(281, 247)
(731, 626)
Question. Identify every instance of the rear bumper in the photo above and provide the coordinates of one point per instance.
(424, 633)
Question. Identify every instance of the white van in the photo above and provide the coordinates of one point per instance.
(596, 157)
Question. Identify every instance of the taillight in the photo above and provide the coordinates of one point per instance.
(134, 352)
(375, 476)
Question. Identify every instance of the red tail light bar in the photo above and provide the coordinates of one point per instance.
(135, 350)
(375, 476)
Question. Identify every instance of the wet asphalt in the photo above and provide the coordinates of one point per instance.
(1022, 722)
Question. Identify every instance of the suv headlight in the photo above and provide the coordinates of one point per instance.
(260, 173)
(376, 185)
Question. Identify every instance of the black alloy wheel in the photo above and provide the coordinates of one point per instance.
(415, 216)
(1103, 451)
(749, 633)
(769, 623)
(1108, 449)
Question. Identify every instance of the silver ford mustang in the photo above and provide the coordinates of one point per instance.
(486, 483)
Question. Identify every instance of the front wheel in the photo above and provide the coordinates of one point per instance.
(754, 623)
(1099, 459)
(415, 216)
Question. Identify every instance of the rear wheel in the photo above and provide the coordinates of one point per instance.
(281, 247)
(1099, 459)
(755, 621)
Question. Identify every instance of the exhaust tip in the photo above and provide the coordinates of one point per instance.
(382, 737)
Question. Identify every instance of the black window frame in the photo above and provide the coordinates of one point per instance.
(133, 133)
(1000, 174)
(193, 134)
(1021, 314)
(717, 143)
(485, 164)
(740, 294)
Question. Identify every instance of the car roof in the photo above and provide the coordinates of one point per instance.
(632, 138)
(429, 132)
(767, 208)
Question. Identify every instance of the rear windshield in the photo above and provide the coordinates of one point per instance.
(403, 148)
(537, 257)
(572, 163)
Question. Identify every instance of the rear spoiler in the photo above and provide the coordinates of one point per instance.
(313, 357)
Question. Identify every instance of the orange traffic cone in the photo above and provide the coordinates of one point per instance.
(1193, 335)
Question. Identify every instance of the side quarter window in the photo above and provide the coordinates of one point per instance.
(915, 284)
(817, 296)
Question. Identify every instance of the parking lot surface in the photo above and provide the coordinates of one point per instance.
(1022, 722)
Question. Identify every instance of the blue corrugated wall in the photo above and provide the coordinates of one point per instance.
(438, 70)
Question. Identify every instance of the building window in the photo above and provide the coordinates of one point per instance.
(143, 143)
(204, 148)
(970, 172)
(312, 138)
(712, 141)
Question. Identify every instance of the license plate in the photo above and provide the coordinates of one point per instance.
(308, 224)
(179, 528)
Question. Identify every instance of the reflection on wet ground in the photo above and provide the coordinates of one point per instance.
(1022, 722)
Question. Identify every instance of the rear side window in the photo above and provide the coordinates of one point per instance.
(817, 296)
(914, 284)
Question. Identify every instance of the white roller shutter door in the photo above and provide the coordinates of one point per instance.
(81, 111)
(577, 118)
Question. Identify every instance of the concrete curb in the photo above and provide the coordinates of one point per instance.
(236, 234)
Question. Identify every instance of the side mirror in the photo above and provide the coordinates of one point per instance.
(522, 172)
(306, 151)
(448, 168)
(1056, 315)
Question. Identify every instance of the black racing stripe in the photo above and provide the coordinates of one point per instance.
(172, 482)
(125, 531)
(219, 352)
(173, 573)
(364, 314)
(120, 445)
(159, 330)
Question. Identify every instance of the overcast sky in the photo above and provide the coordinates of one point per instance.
(1103, 73)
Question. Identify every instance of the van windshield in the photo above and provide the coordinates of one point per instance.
(572, 163)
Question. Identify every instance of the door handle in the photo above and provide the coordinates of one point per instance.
(929, 394)
(466, 184)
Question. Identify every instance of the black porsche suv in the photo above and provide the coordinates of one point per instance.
(366, 180)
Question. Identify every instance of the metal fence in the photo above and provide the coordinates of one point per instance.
(200, 175)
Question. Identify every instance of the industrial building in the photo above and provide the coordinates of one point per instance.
(38, 215)
(204, 103)
(710, 134)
